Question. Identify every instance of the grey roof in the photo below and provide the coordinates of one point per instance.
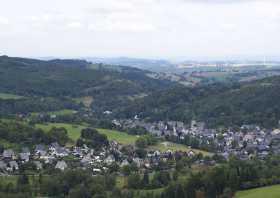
(8, 153)
(24, 156)
(61, 165)
(55, 145)
(40, 147)
(3, 165)
(13, 164)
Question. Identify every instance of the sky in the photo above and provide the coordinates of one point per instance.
(140, 28)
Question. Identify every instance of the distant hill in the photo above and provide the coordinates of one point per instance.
(217, 104)
(110, 86)
(156, 65)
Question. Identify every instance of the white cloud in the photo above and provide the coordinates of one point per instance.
(4, 20)
(141, 27)
(75, 25)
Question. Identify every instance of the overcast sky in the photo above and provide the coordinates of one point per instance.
(139, 28)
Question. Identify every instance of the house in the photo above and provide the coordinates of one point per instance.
(124, 163)
(40, 150)
(24, 157)
(96, 170)
(109, 160)
(13, 166)
(8, 154)
(137, 161)
(38, 165)
(26, 150)
(61, 165)
(77, 151)
(53, 147)
(3, 165)
(60, 152)
(87, 160)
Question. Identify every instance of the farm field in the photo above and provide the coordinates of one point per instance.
(269, 192)
(5, 96)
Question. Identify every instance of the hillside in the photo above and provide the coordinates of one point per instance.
(218, 104)
(62, 81)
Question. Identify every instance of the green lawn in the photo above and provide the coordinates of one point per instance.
(265, 192)
(6, 96)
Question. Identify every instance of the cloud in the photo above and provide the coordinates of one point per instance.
(4, 20)
(74, 25)
(140, 27)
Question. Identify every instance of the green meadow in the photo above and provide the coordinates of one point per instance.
(264, 192)
(58, 113)
(6, 96)
(165, 146)
(74, 132)
(122, 138)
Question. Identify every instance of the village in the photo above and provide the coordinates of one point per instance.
(61, 158)
(246, 142)
(252, 141)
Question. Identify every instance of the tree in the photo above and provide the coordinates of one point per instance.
(58, 135)
(146, 179)
(134, 181)
(141, 142)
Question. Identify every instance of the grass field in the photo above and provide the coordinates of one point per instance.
(267, 192)
(8, 179)
(58, 113)
(122, 138)
(164, 146)
(73, 130)
(87, 100)
(6, 96)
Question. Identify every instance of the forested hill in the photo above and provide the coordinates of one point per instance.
(71, 78)
(110, 86)
(219, 104)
